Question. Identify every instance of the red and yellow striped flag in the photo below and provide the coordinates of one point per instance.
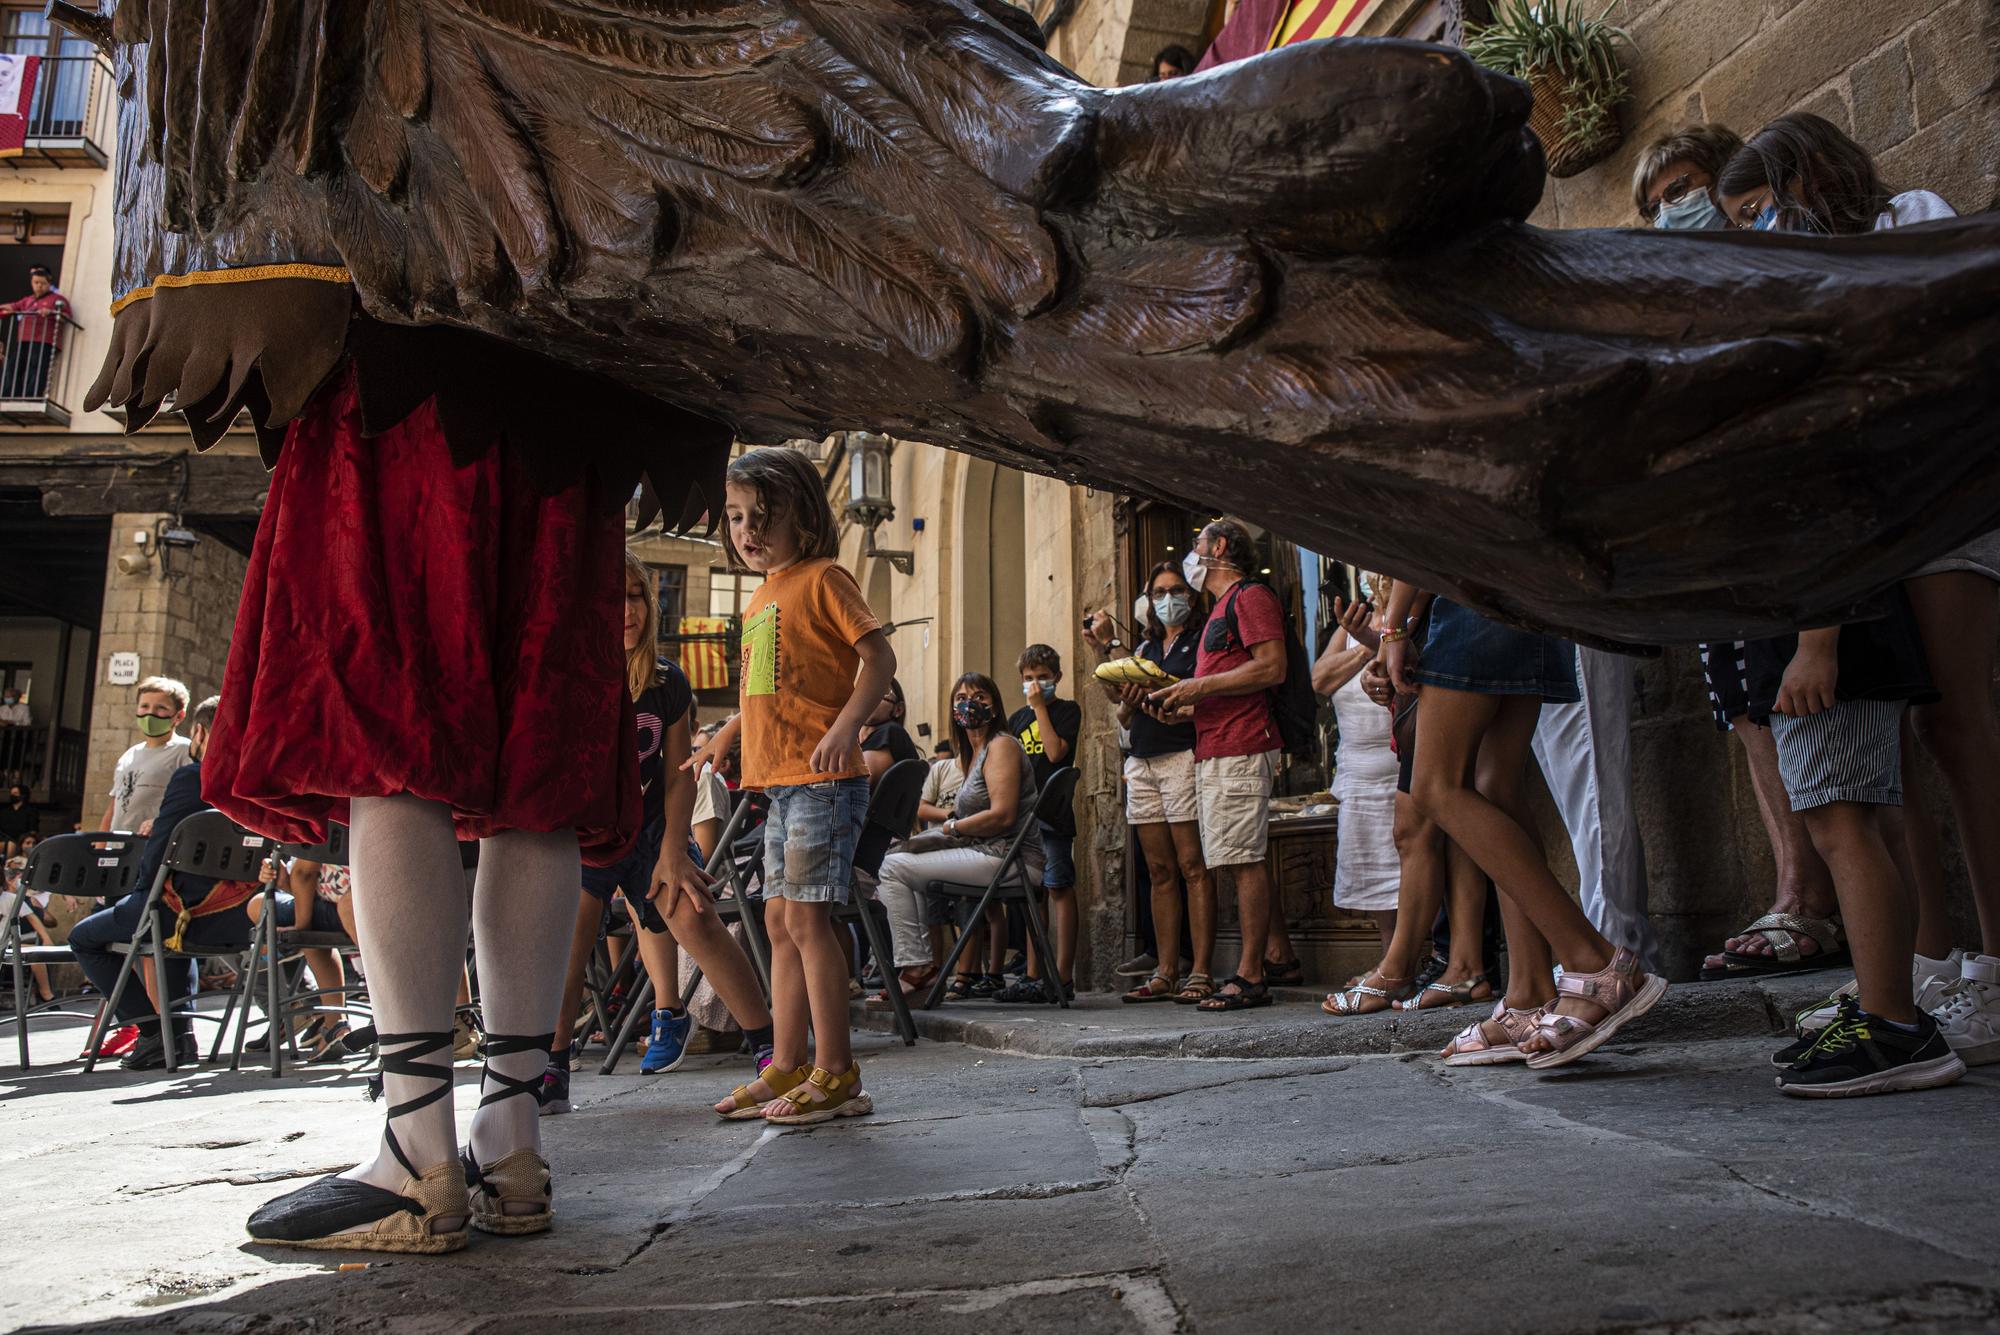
(1307, 19)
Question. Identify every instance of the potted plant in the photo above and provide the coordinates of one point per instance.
(1574, 65)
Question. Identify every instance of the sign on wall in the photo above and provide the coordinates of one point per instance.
(124, 670)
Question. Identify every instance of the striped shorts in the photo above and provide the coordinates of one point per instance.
(1851, 753)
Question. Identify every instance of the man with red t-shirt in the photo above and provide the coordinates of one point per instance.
(35, 339)
(1236, 736)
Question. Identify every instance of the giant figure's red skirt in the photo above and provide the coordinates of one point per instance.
(412, 626)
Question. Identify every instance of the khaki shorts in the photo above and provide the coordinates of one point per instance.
(1159, 789)
(1233, 794)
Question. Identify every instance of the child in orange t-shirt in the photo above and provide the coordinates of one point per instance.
(815, 661)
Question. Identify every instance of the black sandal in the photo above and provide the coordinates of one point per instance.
(316, 1215)
(1248, 996)
(523, 1176)
(1284, 975)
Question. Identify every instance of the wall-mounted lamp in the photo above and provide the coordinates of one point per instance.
(868, 488)
(24, 226)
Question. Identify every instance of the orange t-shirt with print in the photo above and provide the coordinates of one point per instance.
(799, 665)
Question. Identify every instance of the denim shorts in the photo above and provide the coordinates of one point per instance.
(632, 873)
(1058, 865)
(1468, 652)
(809, 839)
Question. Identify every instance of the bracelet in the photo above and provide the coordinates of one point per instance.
(1401, 632)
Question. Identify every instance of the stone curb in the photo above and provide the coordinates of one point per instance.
(1100, 1026)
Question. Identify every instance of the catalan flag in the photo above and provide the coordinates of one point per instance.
(1264, 25)
(1307, 19)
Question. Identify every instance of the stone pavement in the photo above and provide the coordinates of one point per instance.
(1661, 1186)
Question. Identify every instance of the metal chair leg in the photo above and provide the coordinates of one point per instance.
(1052, 976)
(10, 949)
(258, 944)
(641, 1003)
(978, 914)
(238, 994)
(110, 1007)
(872, 929)
(163, 999)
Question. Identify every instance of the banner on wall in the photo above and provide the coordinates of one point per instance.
(1257, 26)
(17, 95)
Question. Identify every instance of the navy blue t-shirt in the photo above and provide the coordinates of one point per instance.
(1150, 737)
(663, 703)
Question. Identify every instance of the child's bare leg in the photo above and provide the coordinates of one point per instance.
(1874, 904)
(823, 958)
(722, 962)
(583, 939)
(1062, 923)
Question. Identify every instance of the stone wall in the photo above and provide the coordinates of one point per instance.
(1913, 80)
(178, 624)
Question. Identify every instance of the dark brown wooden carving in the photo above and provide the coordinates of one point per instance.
(1297, 287)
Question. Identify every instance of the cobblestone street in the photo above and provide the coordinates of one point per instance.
(1366, 1192)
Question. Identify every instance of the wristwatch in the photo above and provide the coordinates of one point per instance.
(951, 826)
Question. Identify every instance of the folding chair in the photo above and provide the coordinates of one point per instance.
(892, 814)
(275, 949)
(207, 844)
(738, 860)
(1010, 882)
(85, 866)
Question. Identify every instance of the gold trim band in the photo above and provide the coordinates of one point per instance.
(324, 273)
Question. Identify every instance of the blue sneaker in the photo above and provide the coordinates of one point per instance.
(668, 1044)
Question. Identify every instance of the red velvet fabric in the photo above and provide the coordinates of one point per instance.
(409, 626)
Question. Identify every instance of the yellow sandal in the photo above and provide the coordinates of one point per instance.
(779, 1082)
(844, 1097)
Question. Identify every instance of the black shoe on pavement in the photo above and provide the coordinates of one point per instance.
(1027, 990)
(1861, 1053)
(150, 1052)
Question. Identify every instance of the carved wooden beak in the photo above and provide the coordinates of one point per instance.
(88, 24)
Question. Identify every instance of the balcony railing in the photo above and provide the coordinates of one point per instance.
(71, 120)
(38, 375)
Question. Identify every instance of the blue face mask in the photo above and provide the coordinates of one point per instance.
(1767, 221)
(1695, 213)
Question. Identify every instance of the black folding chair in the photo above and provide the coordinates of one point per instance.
(738, 860)
(85, 866)
(278, 952)
(1010, 882)
(207, 844)
(892, 814)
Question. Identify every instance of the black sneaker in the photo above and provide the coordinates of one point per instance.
(1027, 990)
(1433, 970)
(554, 1096)
(986, 986)
(1787, 1056)
(1860, 1053)
(150, 1052)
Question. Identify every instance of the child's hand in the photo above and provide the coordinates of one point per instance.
(839, 751)
(709, 753)
(268, 873)
(1395, 660)
(1810, 678)
(674, 875)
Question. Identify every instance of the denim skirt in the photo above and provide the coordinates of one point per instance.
(1468, 652)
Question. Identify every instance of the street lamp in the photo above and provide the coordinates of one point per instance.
(868, 502)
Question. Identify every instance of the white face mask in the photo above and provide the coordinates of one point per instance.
(1194, 569)
(1139, 606)
(1172, 608)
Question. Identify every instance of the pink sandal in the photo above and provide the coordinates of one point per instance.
(1473, 1048)
(1622, 988)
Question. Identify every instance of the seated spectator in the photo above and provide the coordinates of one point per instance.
(34, 912)
(998, 794)
(14, 710)
(92, 938)
(324, 886)
(36, 338)
(884, 740)
(139, 784)
(941, 787)
(1171, 62)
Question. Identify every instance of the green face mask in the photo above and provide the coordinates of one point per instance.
(155, 726)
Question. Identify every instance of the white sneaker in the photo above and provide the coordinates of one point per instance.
(1969, 1014)
(1929, 978)
(1817, 1017)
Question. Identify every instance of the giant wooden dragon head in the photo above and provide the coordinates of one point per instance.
(1298, 287)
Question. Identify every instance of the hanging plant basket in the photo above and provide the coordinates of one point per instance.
(1560, 103)
(1572, 60)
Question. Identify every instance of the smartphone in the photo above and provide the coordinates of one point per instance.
(649, 916)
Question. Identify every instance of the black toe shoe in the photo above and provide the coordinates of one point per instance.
(150, 1052)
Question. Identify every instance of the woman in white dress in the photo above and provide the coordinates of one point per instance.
(1367, 871)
